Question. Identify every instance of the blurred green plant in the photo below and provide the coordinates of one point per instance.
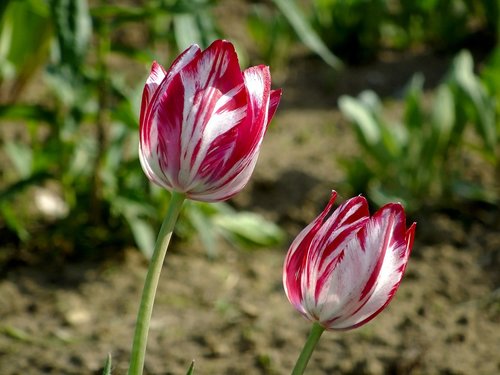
(271, 29)
(418, 161)
(77, 153)
(355, 30)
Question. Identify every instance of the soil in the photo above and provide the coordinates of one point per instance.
(230, 314)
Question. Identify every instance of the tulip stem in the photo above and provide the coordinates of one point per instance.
(307, 350)
(150, 285)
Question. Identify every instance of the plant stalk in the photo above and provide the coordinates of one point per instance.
(307, 350)
(150, 285)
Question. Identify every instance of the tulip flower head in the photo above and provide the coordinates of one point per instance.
(202, 122)
(343, 270)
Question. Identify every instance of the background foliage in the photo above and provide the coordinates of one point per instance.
(69, 102)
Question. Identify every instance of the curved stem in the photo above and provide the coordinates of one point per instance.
(308, 349)
(150, 285)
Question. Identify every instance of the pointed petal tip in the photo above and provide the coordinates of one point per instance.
(221, 44)
(358, 199)
(331, 200)
(277, 92)
(410, 237)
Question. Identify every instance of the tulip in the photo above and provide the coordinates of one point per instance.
(202, 122)
(342, 271)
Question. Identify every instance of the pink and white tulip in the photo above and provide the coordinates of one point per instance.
(343, 270)
(203, 120)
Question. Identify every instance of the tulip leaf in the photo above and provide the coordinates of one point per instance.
(414, 115)
(203, 224)
(144, 235)
(442, 117)
(306, 33)
(21, 156)
(361, 116)
(107, 366)
(27, 112)
(136, 213)
(23, 49)
(249, 229)
(483, 107)
(191, 369)
(187, 31)
(73, 28)
(16, 224)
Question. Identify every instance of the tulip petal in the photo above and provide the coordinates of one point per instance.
(327, 253)
(202, 122)
(185, 110)
(380, 254)
(158, 75)
(155, 78)
(242, 143)
(273, 103)
(150, 150)
(296, 257)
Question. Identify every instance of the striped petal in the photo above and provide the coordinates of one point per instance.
(343, 271)
(328, 252)
(274, 100)
(202, 122)
(293, 269)
(154, 80)
(386, 245)
(150, 147)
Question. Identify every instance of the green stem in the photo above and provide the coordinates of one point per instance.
(150, 285)
(307, 350)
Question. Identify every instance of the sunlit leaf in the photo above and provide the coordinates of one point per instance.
(249, 229)
(305, 32)
(73, 28)
(187, 31)
(144, 235)
(463, 73)
(355, 111)
(107, 366)
(21, 156)
(204, 226)
(191, 369)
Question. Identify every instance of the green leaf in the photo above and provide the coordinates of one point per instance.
(144, 235)
(187, 31)
(107, 366)
(469, 83)
(443, 118)
(27, 112)
(21, 156)
(74, 30)
(306, 33)
(203, 224)
(249, 229)
(13, 221)
(16, 333)
(191, 369)
(136, 213)
(414, 113)
(23, 49)
(358, 113)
